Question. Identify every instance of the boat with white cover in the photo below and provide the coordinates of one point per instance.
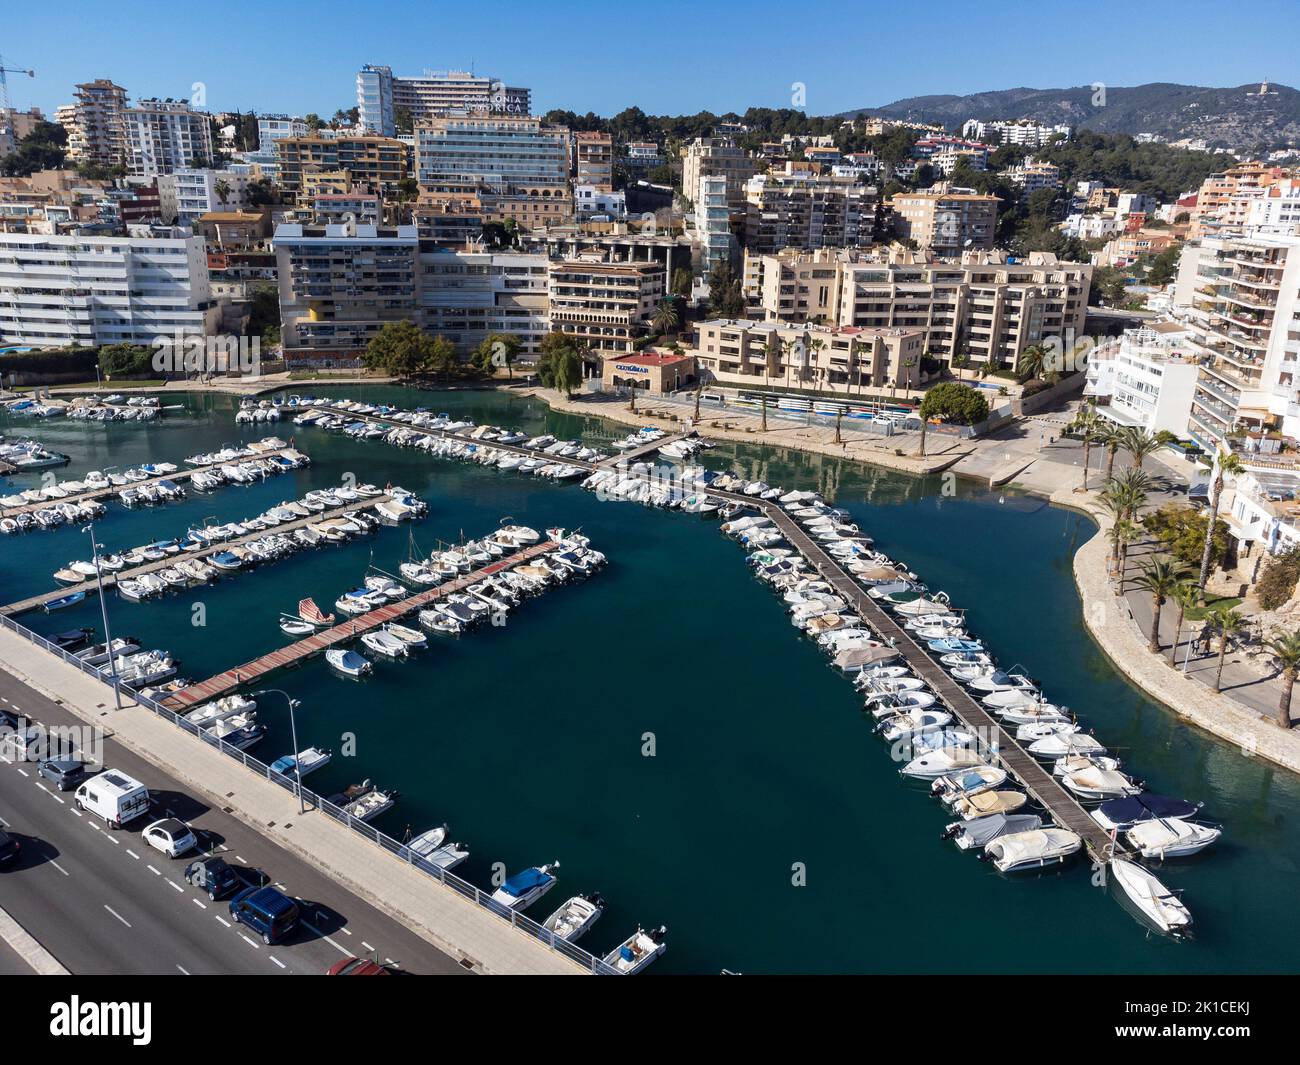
(1153, 900)
(1170, 837)
(1035, 849)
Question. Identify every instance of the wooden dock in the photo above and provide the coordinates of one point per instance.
(626, 458)
(179, 477)
(111, 579)
(343, 632)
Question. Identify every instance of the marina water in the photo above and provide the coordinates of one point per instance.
(531, 739)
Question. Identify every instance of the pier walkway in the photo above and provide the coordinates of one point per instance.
(111, 579)
(344, 631)
(634, 454)
(1040, 784)
(179, 477)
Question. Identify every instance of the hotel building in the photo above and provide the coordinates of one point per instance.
(431, 95)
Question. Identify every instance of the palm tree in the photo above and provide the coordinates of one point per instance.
(762, 428)
(222, 189)
(1032, 361)
(666, 319)
(1087, 423)
(1186, 595)
(1111, 436)
(1286, 649)
(631, 401)
(1227, 622)
(839, 417)
(1225, 465)
(959, 362)
(924, 425)
(699, 389)
(1159, 578)
(1139, 443)
(1121, 534)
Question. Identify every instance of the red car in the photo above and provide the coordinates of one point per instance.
(358, 967)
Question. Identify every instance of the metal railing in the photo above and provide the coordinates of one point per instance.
(464, 888)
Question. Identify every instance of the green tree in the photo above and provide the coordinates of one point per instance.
(42, 149)
(1185, 596)
(725, 297)
(1087, 424)
(682, 279)
(400, 349)
(1032, 362)
(1285, 648)
(1139, 444)
(568, 371)
(955, 403)
(666, 319)
(497, 350)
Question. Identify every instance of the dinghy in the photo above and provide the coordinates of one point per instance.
(1153, 900)
(575, 918)
(295, 627)
(637, 951)
(1035, 849)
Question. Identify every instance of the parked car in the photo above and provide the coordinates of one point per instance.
(8, 720)
(9, 847)
(171, 836)
(23, 745)
(64, 773)
(215, 876)
(269, 912)
(358, 967)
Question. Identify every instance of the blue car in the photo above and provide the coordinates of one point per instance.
(268, 912)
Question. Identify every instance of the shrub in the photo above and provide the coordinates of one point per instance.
(1182, 531)
(51, 361)
(1277, 582)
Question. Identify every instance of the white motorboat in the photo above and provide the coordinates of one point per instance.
(432, 847)
(1153, 900)
(219, 710)
(972, 835)
(989, 802)
(302, 763)
(1002, 681)
(1170, 837)
(913, 723)
(941, 762)
(295, 627)
(1095, 784)
(1060, 744)
(349, 663)
(384, 643)
(413, 638)
(1035, 849)
(967, 783)
(524, 888)
(637, 951)
(574, 919)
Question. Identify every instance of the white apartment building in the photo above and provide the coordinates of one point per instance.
(589, 201)
(271, 128)
(1240, 297)
(1277, 210)
(162, 137)
(57, 291)
(1149, 376)
(467, 296)
(713, 222)
(186, 194)
(432, 94)
(717, 157)
(1023, 132)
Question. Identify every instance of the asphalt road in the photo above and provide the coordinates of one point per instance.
(102, 902)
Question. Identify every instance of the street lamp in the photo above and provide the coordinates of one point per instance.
(293, 732)
(103, 610)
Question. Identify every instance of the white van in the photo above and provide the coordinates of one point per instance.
(115, 797)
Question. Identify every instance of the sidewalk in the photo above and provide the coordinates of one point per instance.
(452, 923)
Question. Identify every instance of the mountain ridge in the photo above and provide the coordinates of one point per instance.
(1236, 117)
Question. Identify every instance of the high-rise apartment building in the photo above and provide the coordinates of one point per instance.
(607, 305)
(380, 95)
(96, 133)
(1240, 297)
(595, 160)
(1224, 201)
(165, 136)
(807, 211)
(373, 162)
(978, 304)
(717, 157)
(57, 291)
(947, 220)
(515, 166)
(713, 223)
(186, 195)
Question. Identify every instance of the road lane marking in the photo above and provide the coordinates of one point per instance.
(153, 870)
(367, 946)
(175, 886)
(184, 970)
(60, 868)
(312, 928)
(132, 854)
(346, 931)
(20, 941)
(117, 915)
(222, 920)
(200, 905)
(24, 772)
(248, 941)
(276, 960)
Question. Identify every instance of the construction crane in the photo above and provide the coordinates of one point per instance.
(5, 102)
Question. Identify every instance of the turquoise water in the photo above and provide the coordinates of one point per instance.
(528, 739)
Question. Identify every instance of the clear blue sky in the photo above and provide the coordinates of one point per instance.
(665, 56)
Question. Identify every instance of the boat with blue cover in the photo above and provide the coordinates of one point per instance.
(524, 888)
